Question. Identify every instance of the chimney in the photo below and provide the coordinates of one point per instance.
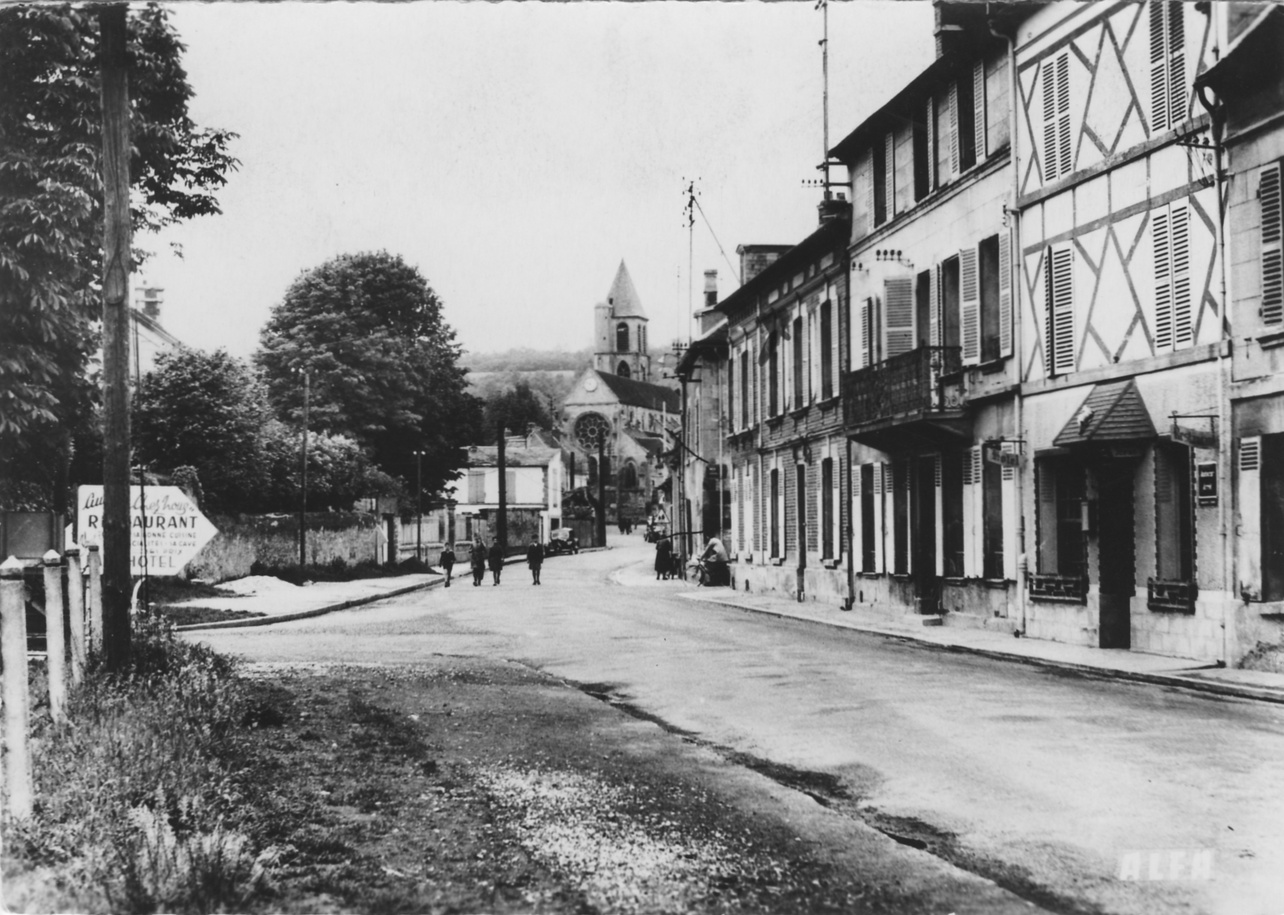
(834, 206)
(710, 288)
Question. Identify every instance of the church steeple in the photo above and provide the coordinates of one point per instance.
(621, 345)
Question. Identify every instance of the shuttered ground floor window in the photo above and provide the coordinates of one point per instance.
(992, 542)
(1174, 515)
(1059, 520)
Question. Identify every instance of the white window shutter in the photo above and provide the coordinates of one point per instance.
(889, 518)
(1268, 193)
(1049, 76)
(1010, 516)
(973, 513)
(1161, 243)
(863, 190)
(857, 519)
(1059, 323)
(934, 305)
(898, 316)
(1249, 510)
(978, 108)
(878, 517)
(970, 306)
(889, 176)
(860, 355)
(813, 346)
(1005, 294)
(1183, 322)
(836, 353)
(939, 525)
(954, 130)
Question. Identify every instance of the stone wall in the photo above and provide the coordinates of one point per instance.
(263, 543)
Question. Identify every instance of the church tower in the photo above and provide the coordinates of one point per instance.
(619, 338)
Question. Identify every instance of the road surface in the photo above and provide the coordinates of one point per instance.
(1077, 794)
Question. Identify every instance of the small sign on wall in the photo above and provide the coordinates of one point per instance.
(1206, 482)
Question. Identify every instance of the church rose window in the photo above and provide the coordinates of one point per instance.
(591, 429)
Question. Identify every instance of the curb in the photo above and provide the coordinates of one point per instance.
(1171, 680)
(306, 614)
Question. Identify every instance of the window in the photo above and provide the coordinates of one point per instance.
(1167, 66)
(826, 350)
(621, 337)
(950, 302)
(629, 476)
(944, 138)
(731, 393)
(476, 486)
(1059, 485)
(865, 335)
(827, 508)
(882, 180)
(966, 109)
(623, 370)
(1268, 193)
(922, 155)
(773, 375)
(1056, 117)
(992, 520)
(996, 103)
(952, 467)
(900, 514)
(903, 158)
(775, 513)
(799, 365)
(1059, 317)
(510, 485)
(868, 528)
(923, 308)
(988, 255)
(744, 390)
(1174, 515)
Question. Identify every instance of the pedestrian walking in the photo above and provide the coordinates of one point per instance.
(535, 558)
(496, 557)
(447, 562)
(477, 559)
(663, 558)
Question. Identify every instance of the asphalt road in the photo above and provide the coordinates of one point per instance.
(1078, 794)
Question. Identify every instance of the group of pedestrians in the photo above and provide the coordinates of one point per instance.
(479, 557)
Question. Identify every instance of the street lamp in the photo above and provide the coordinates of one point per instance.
(419, 505)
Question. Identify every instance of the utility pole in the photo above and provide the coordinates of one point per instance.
(601, 488)
(419, 505)
(116, 267)
(501, 521)
(303, 502)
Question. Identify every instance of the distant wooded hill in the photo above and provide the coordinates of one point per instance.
(527, 360)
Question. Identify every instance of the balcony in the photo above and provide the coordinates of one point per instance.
(906, 402)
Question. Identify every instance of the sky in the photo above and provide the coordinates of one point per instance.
(515, 153)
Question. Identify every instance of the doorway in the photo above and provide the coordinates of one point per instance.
(1116, 549)
(927, 584)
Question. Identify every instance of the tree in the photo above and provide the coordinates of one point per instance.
(51, 210)
(515, 409)
(383, 364)
(207, 411)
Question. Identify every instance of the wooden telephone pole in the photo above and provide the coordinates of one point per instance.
(116, 268)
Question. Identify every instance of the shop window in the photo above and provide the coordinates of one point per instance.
(1059, 522)
(1174, 516)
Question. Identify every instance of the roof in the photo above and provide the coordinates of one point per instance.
(711, 343)
(488, 456)
(832, 235)
(623, 298)
(1234, 72)
(633, 393)
(652, 444)
(1111, 412)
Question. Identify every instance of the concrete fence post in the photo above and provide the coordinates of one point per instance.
(13, 652)
(55, 639)
(76, 611)
(94, 604)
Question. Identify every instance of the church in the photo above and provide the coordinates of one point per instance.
(616, 409)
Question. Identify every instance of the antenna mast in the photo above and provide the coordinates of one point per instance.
(824, 66)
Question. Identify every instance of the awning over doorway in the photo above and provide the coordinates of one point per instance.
(1111, 413)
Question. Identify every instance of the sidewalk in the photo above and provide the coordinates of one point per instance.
(1114, 663)
(281, 602)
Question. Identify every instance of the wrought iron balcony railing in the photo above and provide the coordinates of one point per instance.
(904, 385)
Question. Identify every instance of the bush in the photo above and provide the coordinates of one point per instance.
(135, 803)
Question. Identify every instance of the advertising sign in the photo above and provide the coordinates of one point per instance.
(1206, 482)
(175, 528)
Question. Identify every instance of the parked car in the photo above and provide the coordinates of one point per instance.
(562, 540)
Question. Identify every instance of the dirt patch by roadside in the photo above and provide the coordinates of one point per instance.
(462, 785)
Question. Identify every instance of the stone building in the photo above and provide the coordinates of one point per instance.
(619, 331)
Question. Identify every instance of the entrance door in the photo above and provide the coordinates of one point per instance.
(1116, 548)
(927, 585)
